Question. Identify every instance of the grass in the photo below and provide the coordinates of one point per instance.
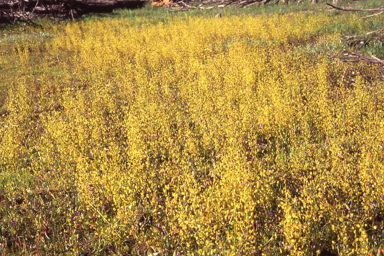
(40, 215)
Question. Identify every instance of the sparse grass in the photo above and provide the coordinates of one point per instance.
(149, 131)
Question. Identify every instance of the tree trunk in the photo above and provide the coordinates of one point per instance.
(314, 1)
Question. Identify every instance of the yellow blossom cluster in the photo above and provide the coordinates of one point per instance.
(207, 135)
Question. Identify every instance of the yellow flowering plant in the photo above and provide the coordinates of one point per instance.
(197, 136)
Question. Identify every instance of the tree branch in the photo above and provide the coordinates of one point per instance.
(354, 10)
(354, 57)
(369, 16)
(366, 34)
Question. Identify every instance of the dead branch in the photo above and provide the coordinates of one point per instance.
(184, 5)
(365, 34)
(354, 10)
(354, 57)
(37, 3)
(368, 16)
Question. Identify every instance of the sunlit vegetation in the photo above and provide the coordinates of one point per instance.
(193, 136)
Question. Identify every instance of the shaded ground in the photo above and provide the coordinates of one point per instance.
(11, 12)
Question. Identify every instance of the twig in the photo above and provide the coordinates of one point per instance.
(101, 215)
(218, 4)
(366, 34)
(354, 57)
(368, 16)
(195, 4)
(37, 2)
(354, 10)
(248, 5)
(374, 57)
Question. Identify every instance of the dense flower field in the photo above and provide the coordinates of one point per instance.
(204, 136)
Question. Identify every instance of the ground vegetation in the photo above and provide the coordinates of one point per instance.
(157, 133)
